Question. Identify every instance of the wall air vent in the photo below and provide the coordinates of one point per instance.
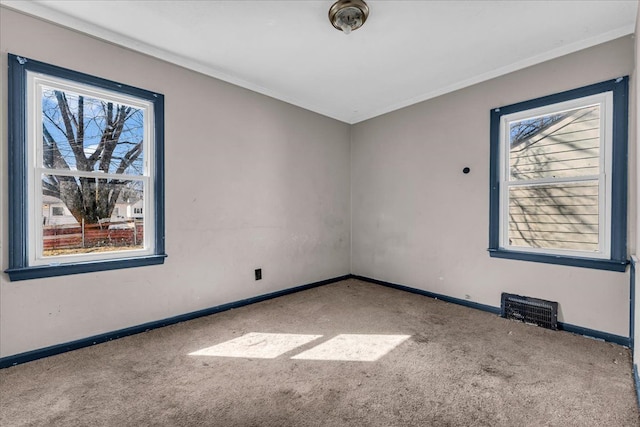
(530, 310)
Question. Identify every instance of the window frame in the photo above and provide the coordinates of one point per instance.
(21, 239)
(614, 257)
(604, 100)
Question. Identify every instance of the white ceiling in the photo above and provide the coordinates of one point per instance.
(407, 51)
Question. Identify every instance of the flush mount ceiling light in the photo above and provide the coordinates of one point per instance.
(348, 15)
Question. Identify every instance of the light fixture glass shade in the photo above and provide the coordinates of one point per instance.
(348, 15)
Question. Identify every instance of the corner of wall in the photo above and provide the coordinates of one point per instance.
(351, 199)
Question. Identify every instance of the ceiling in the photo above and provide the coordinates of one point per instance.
(407, 51)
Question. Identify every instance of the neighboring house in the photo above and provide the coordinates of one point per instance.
(134, 210)
(55, 212)
(542, 213)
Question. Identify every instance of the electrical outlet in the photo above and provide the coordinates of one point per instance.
(258, 273)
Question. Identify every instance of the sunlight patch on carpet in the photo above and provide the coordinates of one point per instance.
(257, 345)
(354, 347)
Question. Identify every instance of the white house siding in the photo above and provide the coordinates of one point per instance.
(557, 216)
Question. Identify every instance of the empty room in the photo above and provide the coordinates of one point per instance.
(319, 213)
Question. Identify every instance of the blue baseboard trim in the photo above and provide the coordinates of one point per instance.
(29, 356)
(632, 303)
(466, 303)
(637, 382)
(591, 333)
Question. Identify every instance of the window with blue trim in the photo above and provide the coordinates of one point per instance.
(85, 162)
(559, 178)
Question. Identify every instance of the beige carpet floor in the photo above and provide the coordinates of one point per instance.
(346, 354)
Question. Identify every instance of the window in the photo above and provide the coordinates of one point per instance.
(86, 145)
(559, 178)
(137, 211)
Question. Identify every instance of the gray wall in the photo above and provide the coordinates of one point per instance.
(250, 182)
(417, 220)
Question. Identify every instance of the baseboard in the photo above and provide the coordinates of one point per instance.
(466, 303)
(109, 336)
(637, 382)
(632, 302)
(591, 333)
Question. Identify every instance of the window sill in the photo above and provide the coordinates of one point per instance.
(42, 271)
(599, 264)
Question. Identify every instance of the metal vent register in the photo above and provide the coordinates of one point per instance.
(530, 310)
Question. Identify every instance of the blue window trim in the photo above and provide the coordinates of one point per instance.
(19, 268)
(618, 259)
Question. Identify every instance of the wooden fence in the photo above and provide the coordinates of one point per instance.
(106, 234)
